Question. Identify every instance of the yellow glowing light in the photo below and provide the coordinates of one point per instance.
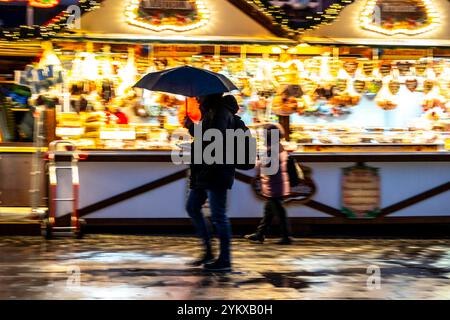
(49, 57)
(106, 63)
(277, 50)
(127, 74)
(366, 20)
(132, 17)
(89, 67)
(342, 74)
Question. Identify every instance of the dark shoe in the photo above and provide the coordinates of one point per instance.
(255, 237)
(284, 241)
(207, 258)
(218, 266)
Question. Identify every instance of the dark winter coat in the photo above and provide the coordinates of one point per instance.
(217, 113)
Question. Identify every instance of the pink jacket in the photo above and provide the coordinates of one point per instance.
(277, 185)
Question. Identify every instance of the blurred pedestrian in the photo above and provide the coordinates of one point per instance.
(274, 187)
(212, 181)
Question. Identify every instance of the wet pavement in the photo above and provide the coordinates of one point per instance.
(154, 267)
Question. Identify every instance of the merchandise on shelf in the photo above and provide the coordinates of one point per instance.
(322, 90)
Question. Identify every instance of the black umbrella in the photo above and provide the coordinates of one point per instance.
(187, 81)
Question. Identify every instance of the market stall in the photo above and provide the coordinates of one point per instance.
(372, 121)
(89, 69)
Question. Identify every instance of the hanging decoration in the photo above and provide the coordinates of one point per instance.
(385, 99)
(127, 74)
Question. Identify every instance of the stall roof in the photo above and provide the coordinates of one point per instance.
(346, 30)
(230, 22)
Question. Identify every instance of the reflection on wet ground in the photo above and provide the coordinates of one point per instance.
(154, 267)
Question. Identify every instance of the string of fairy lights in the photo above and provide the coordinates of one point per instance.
(314, 20)
(276, 14)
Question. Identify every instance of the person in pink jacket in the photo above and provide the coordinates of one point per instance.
(274, 187)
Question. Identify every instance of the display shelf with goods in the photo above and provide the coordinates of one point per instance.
(335, 103)
(97, 96)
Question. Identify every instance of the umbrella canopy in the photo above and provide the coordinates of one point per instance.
(187, 81)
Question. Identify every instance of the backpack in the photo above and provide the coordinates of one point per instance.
(250, 146)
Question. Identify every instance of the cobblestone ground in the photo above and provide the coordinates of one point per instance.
(154, 267)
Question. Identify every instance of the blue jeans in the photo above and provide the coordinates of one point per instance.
(217, 202)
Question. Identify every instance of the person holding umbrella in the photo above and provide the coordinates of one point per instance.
(211, 181)
(207, 181)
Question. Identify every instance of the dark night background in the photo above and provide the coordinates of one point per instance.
(297, 17)
(13, 14)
